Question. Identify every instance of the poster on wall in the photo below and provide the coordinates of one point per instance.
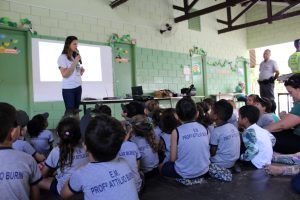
(8, 46)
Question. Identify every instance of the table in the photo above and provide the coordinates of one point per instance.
(84, 103)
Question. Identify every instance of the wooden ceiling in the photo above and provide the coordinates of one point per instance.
(230, 22)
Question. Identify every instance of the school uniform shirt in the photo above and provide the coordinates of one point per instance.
(149, 158)
(265, 120)
(22, 145)
(166, 138)
(157, 132)
(233, 119)
(80, 159)
(129, 151)
(258, 146)
(112, 180)
(74, 80)
(18, 171)
(42, 142)
(192, 150)
(227, 139)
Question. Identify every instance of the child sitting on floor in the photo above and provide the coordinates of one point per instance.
(21, 144)
(189, 156)
(64, 159)
(168, 122)
(19, 171)
(143, 136)
(265, 116)
(257, 141)
(225, 139)
(106, 176)
(40, 138)
(130, 152)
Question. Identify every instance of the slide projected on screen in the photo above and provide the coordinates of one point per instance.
(49, 52)
(97, 80)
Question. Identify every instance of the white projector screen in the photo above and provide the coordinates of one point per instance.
(97, 80)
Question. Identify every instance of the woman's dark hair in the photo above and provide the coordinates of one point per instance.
(203, 117)
(68, 130)
(168, 121)
(103, 137)
(66, 49)
(293, 81)
(249, 112)
(223, 110)
(35, 127)
(186, 109)
(142, 127)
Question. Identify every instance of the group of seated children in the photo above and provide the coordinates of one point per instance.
(115, 159)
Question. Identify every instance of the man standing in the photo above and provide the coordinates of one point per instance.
(294, 60)
(267, 78)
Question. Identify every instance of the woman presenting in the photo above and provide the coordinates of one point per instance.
(71, 71)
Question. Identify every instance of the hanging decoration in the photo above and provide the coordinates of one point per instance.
(121, 53)
(115, 38)
(8, 46)
(226, 63)
(198, 51)
(24, 23)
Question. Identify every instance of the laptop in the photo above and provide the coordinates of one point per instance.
(137, 91)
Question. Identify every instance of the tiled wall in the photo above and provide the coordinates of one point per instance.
(268, 34)
(159, 57)
(158, 69)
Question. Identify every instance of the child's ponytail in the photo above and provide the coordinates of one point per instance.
(143, 127)
(68, 131)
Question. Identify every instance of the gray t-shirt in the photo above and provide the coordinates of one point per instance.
(265, 120)
(22, 145)
(42, 142)
(149, 158)
(227, 138)
(105, 180)
(192, 150)
(18, 171)
(267, 69)
(129, 151)
(80, 158)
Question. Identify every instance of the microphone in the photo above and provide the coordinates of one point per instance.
(75, 53)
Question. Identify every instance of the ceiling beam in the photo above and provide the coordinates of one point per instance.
(261, 21)
(116, 3)
(286, 8)
(207, 10)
